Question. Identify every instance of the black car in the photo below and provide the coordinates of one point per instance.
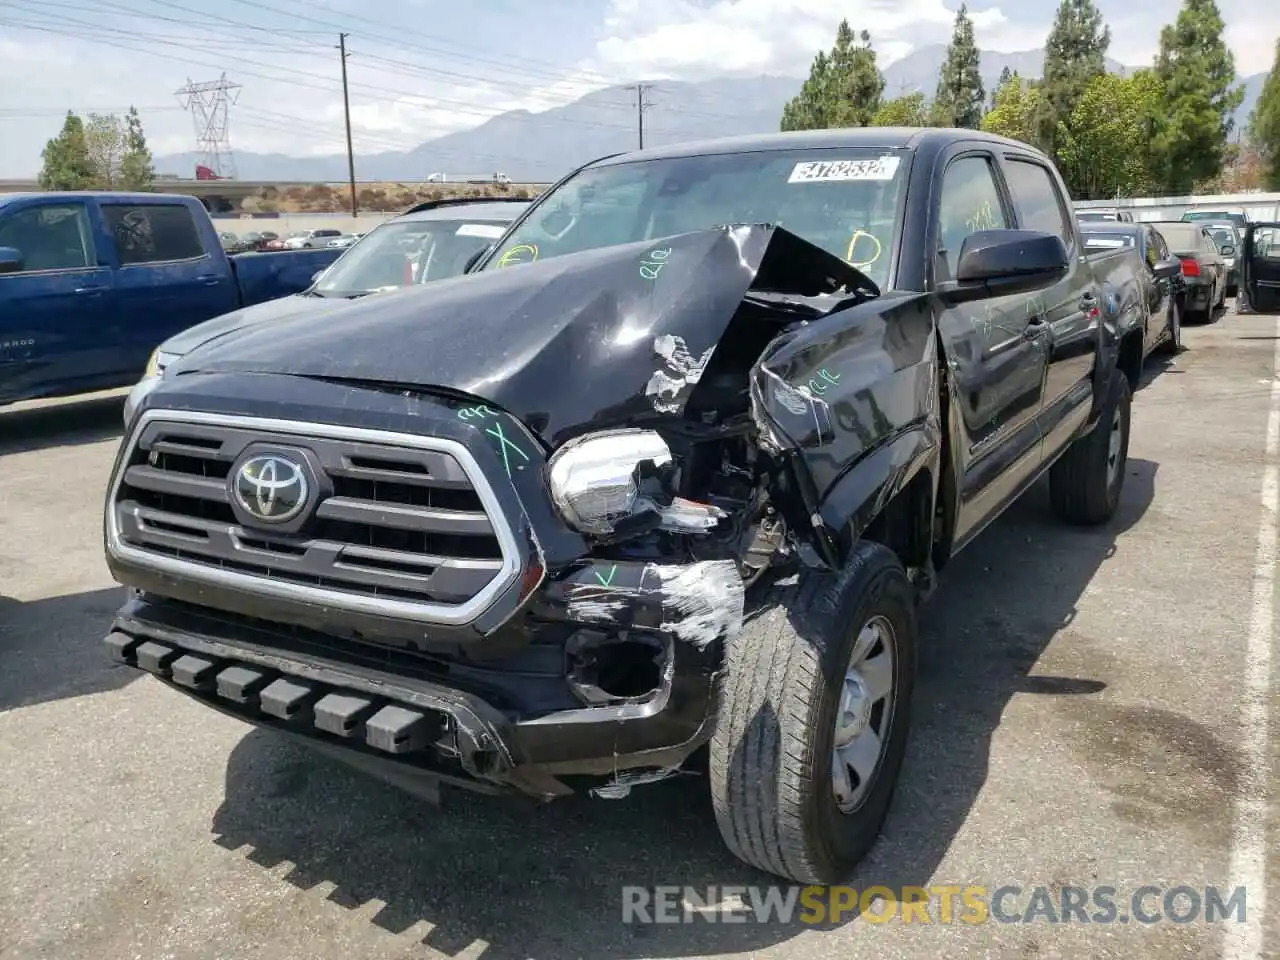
(499, 531)
(1161, 284)
(1203, 268)
(1260, 268)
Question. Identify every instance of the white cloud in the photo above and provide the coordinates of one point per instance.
(686, 39)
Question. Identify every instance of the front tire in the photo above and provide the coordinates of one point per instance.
(1085, 482)
(814, 719)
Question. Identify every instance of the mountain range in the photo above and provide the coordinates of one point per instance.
(539, 147)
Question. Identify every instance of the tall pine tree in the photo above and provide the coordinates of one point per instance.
(1264, 126)
(66, 158)
(959, 99)
(1200, 96)
(1075, 53)
(844, 89)
(136, 171)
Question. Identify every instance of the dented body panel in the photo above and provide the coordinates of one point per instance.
(434, 604)
(633, 341)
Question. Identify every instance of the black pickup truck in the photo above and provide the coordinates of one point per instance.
(663, 496)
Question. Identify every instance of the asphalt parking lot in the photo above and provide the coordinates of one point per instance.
(1083, 718)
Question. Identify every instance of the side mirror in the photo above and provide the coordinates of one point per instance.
(1228, 250)
(10, 260)
(1167, 269)
(997, 263)
(315, 277)
(476, 257)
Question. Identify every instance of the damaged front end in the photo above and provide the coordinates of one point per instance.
(519, 573)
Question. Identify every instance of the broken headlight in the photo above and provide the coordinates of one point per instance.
(595, 480)
(605, 482)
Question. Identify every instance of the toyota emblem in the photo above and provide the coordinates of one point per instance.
(271, 488)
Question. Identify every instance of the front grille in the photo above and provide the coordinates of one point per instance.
(406, 522)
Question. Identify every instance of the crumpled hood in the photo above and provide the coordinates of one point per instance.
(612, 336)
(217, 327)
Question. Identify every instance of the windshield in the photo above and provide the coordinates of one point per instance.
(843, 200)
(1223, 236)
(405, 252)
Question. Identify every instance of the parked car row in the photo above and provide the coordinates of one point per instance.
(1204, 252)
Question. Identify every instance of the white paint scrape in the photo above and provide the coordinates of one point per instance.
(1248, 864)
(588, 605)
(706, 598)
(666, 388)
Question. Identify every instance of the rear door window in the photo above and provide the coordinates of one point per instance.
(1037, 201)
(153, 233)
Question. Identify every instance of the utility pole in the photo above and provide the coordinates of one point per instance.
(346, 109)
(640, 108)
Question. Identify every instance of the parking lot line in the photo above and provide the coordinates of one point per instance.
(1248, 862)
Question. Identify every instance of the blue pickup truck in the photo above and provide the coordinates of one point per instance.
(90, 283)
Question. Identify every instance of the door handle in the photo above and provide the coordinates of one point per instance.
(87, 291)
(209, 279)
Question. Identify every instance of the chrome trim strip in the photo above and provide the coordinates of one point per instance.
(426, 613)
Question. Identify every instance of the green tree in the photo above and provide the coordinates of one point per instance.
(1198, 73)
(1264, 126)
(810, 109)
(907, 111)
(1106, 144)
(960, 95)
(1075, 53)
(1018, 107)
(104, 138)
(844, 89)
(66, 158)
(1005, 76)
(136, 170)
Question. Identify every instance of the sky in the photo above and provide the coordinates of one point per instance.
(422, 68)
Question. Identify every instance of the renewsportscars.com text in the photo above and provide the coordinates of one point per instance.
(940, 903)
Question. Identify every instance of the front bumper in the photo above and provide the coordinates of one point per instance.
(576, 667)
(410, 720)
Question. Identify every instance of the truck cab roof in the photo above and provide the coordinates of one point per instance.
(888, 138)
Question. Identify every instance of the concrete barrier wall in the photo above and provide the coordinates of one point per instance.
(1257, 206)
(288, 223)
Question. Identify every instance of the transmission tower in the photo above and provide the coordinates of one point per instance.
(208, 103)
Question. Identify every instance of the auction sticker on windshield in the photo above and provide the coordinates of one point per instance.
(826, 171)
(489, 231)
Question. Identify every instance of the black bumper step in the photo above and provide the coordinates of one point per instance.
(386, 727)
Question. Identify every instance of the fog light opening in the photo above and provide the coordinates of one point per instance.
(608, 669)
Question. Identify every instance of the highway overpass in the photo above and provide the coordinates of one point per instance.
(225, 196)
